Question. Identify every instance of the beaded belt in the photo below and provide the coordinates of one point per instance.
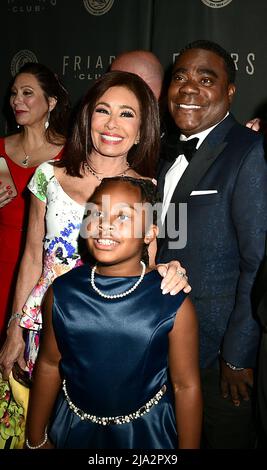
(114, 419)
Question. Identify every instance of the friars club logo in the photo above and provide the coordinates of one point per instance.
(216, 3)
(98, 7)
(20, 59)
(30, 7)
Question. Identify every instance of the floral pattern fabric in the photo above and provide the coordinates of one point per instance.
(12, 420)
(63, 220)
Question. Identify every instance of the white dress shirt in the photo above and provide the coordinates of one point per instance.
(176, 171)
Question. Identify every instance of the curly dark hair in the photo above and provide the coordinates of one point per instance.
(143, 156)
(217, 49)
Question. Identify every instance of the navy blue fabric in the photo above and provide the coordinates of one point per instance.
(114, 359)
(225, 239)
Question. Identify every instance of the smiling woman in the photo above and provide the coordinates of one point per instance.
(120, 116)
(103, 135)
(116, 132)
(115, 126)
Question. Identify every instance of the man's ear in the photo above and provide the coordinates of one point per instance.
(151, 234)
(231, 92)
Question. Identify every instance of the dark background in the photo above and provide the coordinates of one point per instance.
(78, 39)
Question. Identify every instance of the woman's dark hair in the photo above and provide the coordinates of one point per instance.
(52, 87)
(143, 156)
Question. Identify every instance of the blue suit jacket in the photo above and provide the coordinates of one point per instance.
(225, 238)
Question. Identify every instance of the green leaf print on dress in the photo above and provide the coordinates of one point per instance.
(41, 183)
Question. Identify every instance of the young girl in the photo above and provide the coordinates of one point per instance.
(124, 355)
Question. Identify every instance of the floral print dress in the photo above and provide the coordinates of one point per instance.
(63, 220)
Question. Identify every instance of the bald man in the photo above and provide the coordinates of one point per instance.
(142, 63)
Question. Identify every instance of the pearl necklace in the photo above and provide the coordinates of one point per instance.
(99, 178)
(122, 294)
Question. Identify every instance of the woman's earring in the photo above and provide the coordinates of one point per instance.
(18, 126)
(137, 141)
(47, 120)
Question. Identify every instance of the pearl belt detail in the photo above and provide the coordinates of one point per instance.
(114, 419)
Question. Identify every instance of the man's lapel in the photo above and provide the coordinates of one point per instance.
(195, 171)
(205, 156)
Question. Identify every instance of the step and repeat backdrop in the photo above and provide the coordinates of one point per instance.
(79, 39)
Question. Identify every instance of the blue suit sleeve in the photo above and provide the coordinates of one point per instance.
(249, 213)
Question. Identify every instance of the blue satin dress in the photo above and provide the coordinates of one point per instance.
(114, 360)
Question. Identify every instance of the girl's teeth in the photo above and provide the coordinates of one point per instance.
(106, 242)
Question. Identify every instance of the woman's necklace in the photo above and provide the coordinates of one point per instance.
(123, 294)
(25, 161)
(99, 178)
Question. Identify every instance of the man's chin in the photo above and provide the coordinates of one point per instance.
(186, 126)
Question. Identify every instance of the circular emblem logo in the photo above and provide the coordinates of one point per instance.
(216, 3)
(20, 59)
(98, 7)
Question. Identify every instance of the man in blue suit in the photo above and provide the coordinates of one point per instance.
(224, 184)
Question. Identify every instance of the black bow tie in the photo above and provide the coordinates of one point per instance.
(187, 148)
